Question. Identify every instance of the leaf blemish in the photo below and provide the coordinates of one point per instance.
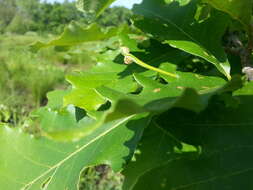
(180, 87)
(157, 90)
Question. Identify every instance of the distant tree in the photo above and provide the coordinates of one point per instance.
(20, 16)
(53, 17)
(28, 6)
(16, 15)
(7, 12)
(20, 24)
(115, 16)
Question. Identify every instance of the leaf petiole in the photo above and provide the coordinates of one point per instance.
(131, 58)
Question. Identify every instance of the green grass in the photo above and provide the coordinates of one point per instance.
(25, 79)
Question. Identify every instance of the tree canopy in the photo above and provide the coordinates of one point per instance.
(20, 16)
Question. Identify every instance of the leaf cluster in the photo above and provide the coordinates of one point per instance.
(166, 105)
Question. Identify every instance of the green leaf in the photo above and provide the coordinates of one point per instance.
(189, 90)
(157, 97)
(75, 34)
(225, 161)
(240, 10)
(95, 7)
(55, 99)
(191, 80)
(33, 163)
(246, 90)
(106, 72)
(151, 154)
(92, 89)
(66, 124)
(170, 24)
(54, 119)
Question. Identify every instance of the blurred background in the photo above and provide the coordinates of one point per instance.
(25, 77)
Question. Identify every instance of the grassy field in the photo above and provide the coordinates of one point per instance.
(25, 79)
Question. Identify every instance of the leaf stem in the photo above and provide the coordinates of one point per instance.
(131, 57)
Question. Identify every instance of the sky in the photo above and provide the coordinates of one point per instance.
(125, 3)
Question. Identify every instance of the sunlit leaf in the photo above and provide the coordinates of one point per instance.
(44, 163)
(75, 34)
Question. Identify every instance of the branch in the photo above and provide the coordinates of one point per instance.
(236, 47)
(246, 56)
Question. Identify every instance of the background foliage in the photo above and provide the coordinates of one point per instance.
(32, 15)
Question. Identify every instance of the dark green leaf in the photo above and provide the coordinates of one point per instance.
(225, 161)
(157, 148)
(240, 10)
(175, 24)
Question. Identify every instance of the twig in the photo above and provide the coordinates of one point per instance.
(246, 56)
(236, 47)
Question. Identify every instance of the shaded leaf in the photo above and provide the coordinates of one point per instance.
(225, 136)
(157, 148)
(240, 10)
(170, 24)
(246, 90)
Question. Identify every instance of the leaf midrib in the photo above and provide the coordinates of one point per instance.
(76, 152)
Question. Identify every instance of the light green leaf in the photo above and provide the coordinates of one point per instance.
(75, 34)
(106, 72)
(246, 90)
(55, 99)
(170, 24)
(54, 119)
(71, 123)
(157, 97)
(30, 163)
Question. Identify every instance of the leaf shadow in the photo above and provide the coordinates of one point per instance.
(137, 126)
(225, 136)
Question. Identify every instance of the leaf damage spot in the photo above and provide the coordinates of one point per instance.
(180, 87)
(157, 90)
